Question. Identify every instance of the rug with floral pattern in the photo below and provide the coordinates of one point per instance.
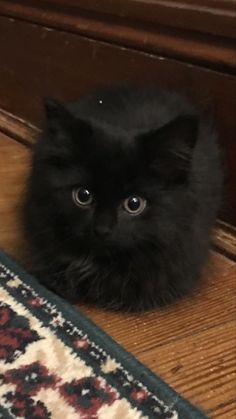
(57, 364)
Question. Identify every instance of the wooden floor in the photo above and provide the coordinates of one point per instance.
(191, 345)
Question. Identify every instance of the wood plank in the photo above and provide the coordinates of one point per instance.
(153, 329)
(17, 128)
(215, 17)
(14, 169)
(197, 33)
(225, 240)
(201, 367)
(226, 410)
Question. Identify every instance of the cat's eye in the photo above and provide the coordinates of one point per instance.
(134, 205)
(82, 196)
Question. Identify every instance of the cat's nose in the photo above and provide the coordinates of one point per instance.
(102, 230)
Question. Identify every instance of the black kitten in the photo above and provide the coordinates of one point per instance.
(123, 194)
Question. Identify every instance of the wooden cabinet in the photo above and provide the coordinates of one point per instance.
(66, 48)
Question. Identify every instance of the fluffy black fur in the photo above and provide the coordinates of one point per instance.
(118, 143)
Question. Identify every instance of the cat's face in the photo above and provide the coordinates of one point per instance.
(109, 189)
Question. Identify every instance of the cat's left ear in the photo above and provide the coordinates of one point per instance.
(169, 149)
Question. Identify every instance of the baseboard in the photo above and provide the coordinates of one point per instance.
(224, 240)
(201, 33)
(17, 128)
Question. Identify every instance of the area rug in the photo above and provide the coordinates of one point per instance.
(55, 363)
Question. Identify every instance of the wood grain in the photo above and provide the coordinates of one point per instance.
(197, 33)
(191, 345)
(225, 240)
(216, 17)
(14, 168)
(17, 128)
(208, 297)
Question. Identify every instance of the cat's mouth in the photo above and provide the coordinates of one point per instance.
(109, 248)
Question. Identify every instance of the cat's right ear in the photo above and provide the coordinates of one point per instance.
(60, 122)
(53, 108)
(58, 118)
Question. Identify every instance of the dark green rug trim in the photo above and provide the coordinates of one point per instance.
(185, 409)
(4, 414)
